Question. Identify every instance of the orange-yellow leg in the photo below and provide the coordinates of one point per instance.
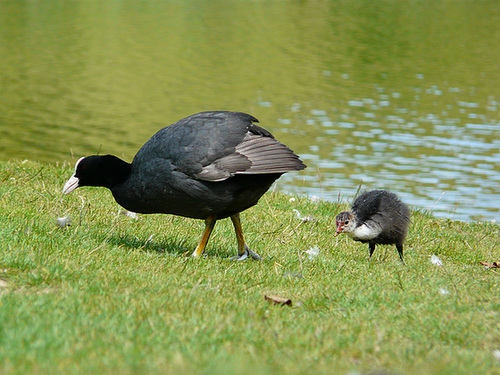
(209, 226)
(243, 250)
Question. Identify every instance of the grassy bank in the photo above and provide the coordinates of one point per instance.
(113, 293)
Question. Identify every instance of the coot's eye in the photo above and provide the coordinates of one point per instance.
(346, 222)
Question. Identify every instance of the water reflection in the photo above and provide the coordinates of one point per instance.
(400, 95)
(446, 164)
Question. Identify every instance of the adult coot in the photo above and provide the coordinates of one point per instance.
(209, 166)
(376, 217)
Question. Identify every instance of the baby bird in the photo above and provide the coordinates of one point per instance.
(376, 217)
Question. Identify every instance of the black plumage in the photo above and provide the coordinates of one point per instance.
(376, 217)
(209, 166)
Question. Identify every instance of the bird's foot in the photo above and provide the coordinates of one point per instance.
(247, 253)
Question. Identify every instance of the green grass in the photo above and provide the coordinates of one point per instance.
(115, 294)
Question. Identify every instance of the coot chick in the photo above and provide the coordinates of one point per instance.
(376, 217)
(210, 166)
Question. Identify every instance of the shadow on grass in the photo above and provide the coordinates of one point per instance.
(170, 246)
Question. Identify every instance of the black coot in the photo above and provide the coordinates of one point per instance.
(209, 166)
(376, 217)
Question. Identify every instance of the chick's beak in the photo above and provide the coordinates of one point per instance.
(71, 185)
(339, 230)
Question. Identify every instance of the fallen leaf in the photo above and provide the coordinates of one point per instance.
(277, 300)
(491, 265)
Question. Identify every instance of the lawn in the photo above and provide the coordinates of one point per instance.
(117, 293)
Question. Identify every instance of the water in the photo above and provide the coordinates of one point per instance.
(399, 95)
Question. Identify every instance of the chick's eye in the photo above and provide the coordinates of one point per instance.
(346, 222)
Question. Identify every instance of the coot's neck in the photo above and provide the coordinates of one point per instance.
(365, 230)
(112, 171)
(122, 172)
(355, 221)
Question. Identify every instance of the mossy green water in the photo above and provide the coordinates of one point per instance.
(113, 293)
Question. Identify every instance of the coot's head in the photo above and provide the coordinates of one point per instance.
(346, 223)
(97, 170)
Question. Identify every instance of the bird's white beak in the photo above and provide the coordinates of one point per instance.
(73, 181)
(70, 185)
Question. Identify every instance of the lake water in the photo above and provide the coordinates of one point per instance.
(402, 95)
